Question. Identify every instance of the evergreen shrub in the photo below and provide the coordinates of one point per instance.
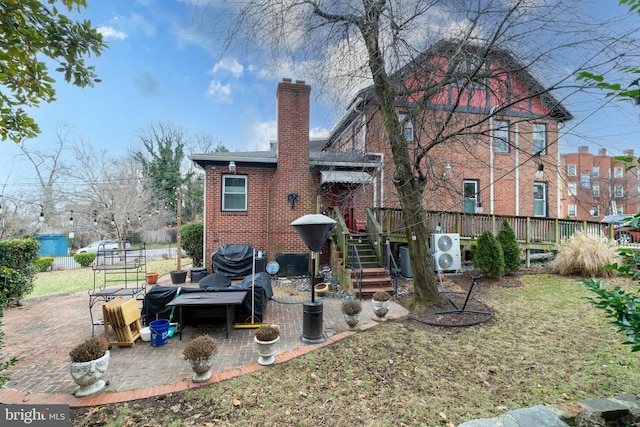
(43, 264)
(510, 248)
(193, 241)
(85, 259)
(488, 256)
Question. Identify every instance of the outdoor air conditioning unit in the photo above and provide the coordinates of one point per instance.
(446, 252)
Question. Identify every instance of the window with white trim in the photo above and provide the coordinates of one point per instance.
(407, 123)
(571, 170)
(234, 193)
(539, 138)
(501, 137)
(595, 171)
(571, 210)
(618, 172)
(618, 191)
(585, 180)
(596, 190)
(595, 211)
(572, 189)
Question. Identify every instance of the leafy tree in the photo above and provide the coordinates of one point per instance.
(488, 256)
(510, 248)
(162, 161)
(31, 30)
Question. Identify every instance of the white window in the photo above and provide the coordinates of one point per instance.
(596, 190)
(470, 195)
(501, 137)
(407, 123)
(234, 193)
(585, 180)
(595, 211)
(617, 172)
(539, 138)
(618, 191)
(595, 171)
(619, 210)
(572, 189)
(540, 199)
(572, 210)
(571, 170)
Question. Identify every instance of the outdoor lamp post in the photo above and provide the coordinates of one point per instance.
(313, 229)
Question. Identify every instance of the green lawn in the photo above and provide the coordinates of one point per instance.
(81, 279)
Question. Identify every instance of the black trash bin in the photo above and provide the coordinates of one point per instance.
(198, 274)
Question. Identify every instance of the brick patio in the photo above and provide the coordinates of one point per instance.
(42, 331)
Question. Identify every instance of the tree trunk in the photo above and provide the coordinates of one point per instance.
(410, 187)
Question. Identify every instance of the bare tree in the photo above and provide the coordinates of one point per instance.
(347, 45)
(113, 199)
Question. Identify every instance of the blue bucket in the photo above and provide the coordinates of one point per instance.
(159, 332)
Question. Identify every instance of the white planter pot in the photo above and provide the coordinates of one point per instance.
(202, 368)
(87, 375)
(266, 349)
(380, 310)
(352, 321)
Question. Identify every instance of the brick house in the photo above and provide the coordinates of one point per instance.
(595, 185)
(506, 164)
(253, 197)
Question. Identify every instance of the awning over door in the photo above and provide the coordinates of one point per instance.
(347, 177)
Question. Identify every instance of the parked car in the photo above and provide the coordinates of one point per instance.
(103, 245)
(623, 230)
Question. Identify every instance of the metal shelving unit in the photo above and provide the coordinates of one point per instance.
(117, 273)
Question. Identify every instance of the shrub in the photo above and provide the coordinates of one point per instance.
(351, 307)
(268, 333)
(201, 347)
(381, 296)
(90, 349)
(43, 264)
(488, 256)
(510, 248)
(17, 271)
(85, 259)
(584, 255)
(192, 242)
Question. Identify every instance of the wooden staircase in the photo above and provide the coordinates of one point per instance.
(374, 276)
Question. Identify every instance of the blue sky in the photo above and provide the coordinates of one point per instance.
(161, 67)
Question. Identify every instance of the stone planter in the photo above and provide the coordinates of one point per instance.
(380, 310)
(266, 349)
(352, 320)
(202, 368)
(87, 375)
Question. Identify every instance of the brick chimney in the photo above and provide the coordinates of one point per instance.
(628, 152)
(602, 152)
(583, 150)
(292, 192)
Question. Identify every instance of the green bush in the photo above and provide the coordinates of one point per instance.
(17, 271)
(510, 248)
(488, 256)
(85, 259)
(43, 264)
(192, 242)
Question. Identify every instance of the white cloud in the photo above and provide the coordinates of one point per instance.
(219, 92)
(228, 66)
(111, 33)
(259, 135)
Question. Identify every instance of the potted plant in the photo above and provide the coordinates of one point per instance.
(266, 338)
(380, 304)
(351, 310)
(200, 352)
(89, 362)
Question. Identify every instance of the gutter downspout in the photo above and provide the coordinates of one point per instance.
(491, 165)
(517, 159)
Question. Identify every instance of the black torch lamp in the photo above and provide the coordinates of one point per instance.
(313, 229)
